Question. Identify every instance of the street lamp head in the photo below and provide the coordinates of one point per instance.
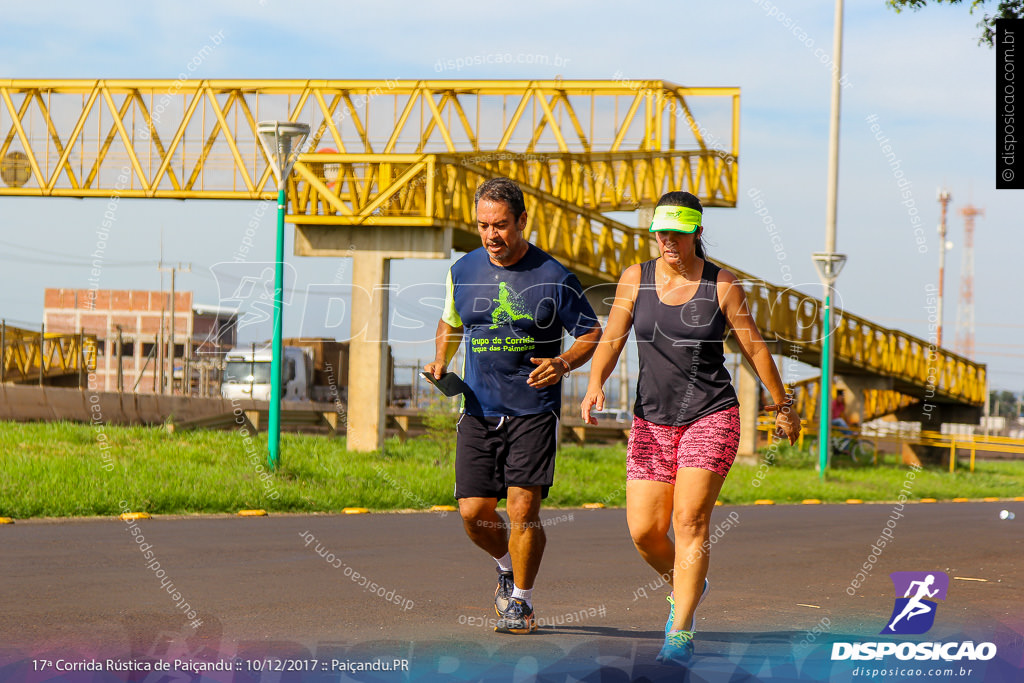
(829, 264)
(282, 141)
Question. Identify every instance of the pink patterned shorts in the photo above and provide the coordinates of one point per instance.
(655, 452)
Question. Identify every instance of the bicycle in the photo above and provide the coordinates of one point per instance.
(846, 444)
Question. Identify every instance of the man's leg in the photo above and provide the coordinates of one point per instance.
(527, 539)
(526, 546)
(478, 489)
(529, 470)
(476, 486)
(484, 525)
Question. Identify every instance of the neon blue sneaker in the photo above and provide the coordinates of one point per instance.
(672, 609)
(678, 648)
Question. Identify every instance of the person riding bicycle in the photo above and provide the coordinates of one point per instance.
(845, 438)
(843, 432)
(839, 413)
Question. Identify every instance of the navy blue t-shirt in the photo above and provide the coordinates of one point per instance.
(512, 314)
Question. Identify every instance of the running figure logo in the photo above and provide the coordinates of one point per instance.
(510, 307)
(913, 613)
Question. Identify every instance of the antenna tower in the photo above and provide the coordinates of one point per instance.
(965, 309)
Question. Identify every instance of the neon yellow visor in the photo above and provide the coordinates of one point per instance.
(676, 219)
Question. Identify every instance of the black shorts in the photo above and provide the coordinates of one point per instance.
(493, 453)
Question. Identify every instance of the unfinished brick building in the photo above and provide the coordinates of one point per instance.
(133, 330)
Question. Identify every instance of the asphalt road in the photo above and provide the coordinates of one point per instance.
(411, 586)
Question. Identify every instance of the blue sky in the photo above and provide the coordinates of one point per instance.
(922, 75)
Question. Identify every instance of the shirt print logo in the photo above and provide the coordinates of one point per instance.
(510, 308)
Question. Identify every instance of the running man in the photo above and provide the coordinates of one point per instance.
(512, 301)
(914, 606)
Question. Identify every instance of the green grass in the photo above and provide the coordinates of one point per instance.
(60, 469)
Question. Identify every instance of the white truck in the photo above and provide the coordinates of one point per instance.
(313, 369)
(247, 374)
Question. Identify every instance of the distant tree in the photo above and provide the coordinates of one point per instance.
(1003, 403)
(1004, 9)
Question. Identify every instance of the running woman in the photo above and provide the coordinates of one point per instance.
(686, 425)
(512, 301)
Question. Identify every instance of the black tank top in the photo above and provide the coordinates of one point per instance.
(682, 360)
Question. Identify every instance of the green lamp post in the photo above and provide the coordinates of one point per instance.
(829, 265)
(282, 141)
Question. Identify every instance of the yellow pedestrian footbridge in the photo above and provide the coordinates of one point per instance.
(390, 170)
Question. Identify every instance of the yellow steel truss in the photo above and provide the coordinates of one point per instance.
(26, 355)
(197, 139)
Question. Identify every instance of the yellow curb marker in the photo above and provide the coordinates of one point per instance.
(764, 501)
(967, 578)
(718, 502)
(355, 511)
(1019, 498)
(132, 516)
(928, 500)
(252, 513)
(854, 501)
(960, 500)
(6, 520)
(593, 506)
(810, 501)
(990, 499)
(442, 508)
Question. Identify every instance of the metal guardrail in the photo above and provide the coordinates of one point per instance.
(954, 443)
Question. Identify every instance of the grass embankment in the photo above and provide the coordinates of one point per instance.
(59, 469)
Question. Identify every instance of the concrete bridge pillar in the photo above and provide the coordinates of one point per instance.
(749, 394)
(748, 391)
(932, 416)
(371, 249)
(600, 295)
(854, 388)
(367, 368)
